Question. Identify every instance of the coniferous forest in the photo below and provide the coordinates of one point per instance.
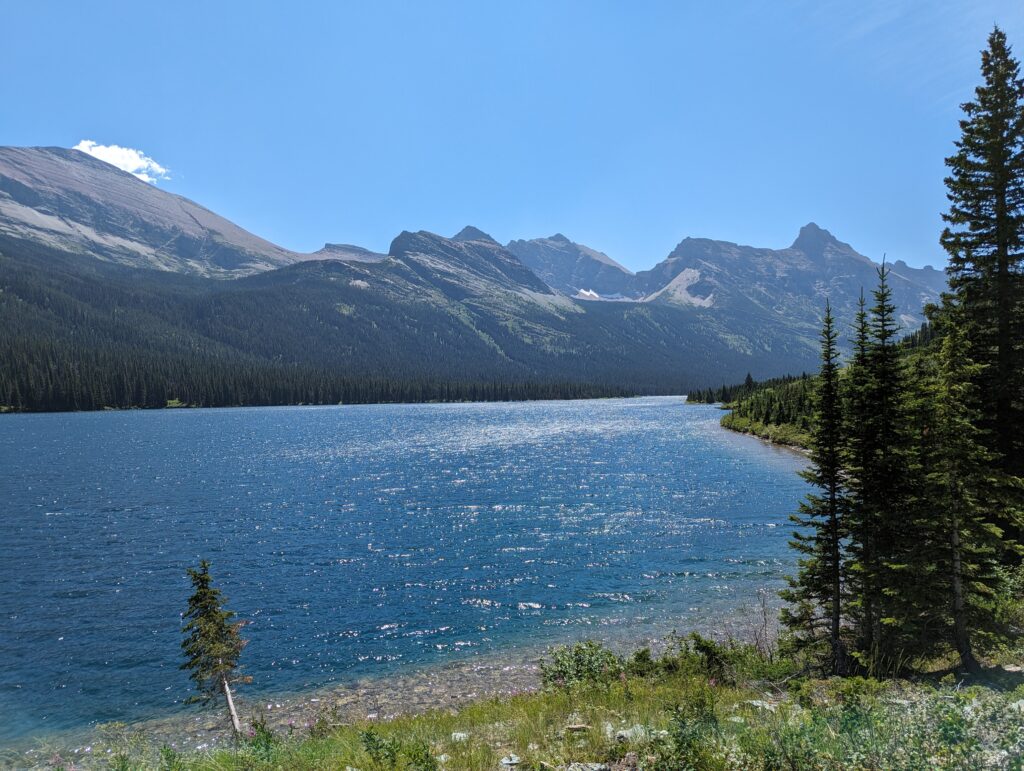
(914, 528)
(401, 573)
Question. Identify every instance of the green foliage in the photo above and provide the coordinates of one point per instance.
(784, 433)
(816, 595)
(694, 734)
(702, 704)
(782, 402)
(881, 471)
(730, 394)
(393, 753)
(382, 751)
(81, 334)
(170, 759)
(984, 239)
(261, 739)
(212, 643)
(583, 663)
(420, 757)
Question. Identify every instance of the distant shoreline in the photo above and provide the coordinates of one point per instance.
(8, 410)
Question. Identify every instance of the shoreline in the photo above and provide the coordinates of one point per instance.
(8, 410)
(414, 690)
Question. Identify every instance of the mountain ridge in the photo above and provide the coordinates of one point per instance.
(435, 308)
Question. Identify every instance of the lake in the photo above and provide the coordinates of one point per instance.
(361, 540)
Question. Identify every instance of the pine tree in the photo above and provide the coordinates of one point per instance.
(859, 439)
(880, 479)
(890, 481)
(984, 233)
(817, 590)
(212, 643)
(963, 485)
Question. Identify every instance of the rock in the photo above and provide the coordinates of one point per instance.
(632, 734)
(459, 736)
(588, 767)
(577, 727)
(510, 760)
(760, 704)
(1018, 706)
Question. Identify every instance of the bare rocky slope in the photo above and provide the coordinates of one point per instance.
(71, 201)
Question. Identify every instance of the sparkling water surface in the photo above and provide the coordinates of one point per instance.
(360, 539)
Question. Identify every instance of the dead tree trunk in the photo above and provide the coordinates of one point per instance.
(231, 706)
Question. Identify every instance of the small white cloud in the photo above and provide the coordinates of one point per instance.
(125, 158)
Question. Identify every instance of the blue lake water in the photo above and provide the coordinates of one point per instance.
(361, 539)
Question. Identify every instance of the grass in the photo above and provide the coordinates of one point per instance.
(777, 433)
(702, 705)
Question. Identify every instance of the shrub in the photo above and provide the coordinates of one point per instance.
(262, 739)
(642, 664)
(382, 751)
(421, 758)
(584, 663)
(392, 753)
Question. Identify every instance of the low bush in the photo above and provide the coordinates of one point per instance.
(583, 663)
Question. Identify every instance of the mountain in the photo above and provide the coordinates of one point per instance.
(573, 269)
(115, 293)
(347, 252)
(71, 201)
(789, 283)
(471, 263)
(745, 283)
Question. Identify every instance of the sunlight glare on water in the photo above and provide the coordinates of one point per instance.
(359, 539)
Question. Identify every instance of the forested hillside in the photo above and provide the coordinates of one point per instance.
(90, 335)
(116, 293)
(781, 410)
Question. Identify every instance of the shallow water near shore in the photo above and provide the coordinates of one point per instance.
(367, 544)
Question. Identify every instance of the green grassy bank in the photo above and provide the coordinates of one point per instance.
(702, 705)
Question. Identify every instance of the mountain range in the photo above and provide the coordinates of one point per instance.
(94, 261)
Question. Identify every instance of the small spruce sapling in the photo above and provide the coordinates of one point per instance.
(212, 644)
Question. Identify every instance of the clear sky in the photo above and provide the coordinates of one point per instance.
(624, 125)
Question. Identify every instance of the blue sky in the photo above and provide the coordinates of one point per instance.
(625, 125)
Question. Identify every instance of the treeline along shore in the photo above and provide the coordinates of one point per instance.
(902, 631)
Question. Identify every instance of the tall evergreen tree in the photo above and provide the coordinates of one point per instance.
(963, 485)
(888, 482)
(212, 643)
(816, 592)
(879, 477)
(859, 447)
(984, 235)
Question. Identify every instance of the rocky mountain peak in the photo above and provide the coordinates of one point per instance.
(349, 252)
(813, 240)
(470, 233)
